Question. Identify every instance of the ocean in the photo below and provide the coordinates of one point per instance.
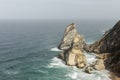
(28, 49)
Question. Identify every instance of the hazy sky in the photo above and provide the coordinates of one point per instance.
(59, 9)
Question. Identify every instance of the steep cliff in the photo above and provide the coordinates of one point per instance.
(109, 43)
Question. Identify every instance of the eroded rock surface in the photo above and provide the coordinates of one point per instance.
(106, 49)
(109, 43)
(72, 45)
(68, 36)
(99, 64)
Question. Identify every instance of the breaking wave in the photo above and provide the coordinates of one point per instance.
(56, 63)
(77, 74)
(55, 49)
(74, 73)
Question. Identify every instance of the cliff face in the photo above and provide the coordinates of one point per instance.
(72, 45)
(109, 43)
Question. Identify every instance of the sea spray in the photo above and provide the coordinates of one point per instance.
(55, 49)
(56, 63)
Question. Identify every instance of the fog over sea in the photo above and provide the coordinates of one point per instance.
(28, 49)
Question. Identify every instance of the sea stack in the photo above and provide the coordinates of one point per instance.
(72, 45)
(106, 49)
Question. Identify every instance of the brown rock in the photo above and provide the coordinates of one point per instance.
(68, 36)
(103, 56)
(99, 65)
(109, 43)
(61, 56)
(76, 56)
(72, 43)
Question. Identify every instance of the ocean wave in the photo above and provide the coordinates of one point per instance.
(41, 71)
(56, 63)
(55, 49)
(103, 31)
(90, 41)
(10, 72)
(90, 57)
(74, 73)
(79, 74)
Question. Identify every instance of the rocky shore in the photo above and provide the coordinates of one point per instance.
(106, 49)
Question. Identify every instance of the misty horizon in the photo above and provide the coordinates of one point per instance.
(59, 9)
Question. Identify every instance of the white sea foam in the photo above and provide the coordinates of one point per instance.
(90, 57)
(74, 75)
(42, 71)
(89, 42)
(56, 63)
(80, 75)
(11, 72)
(55, 49)
(103, 31)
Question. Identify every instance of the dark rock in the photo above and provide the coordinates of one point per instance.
(88, 69)
(109, 43)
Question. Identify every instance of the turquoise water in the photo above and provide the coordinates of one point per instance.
(28, 49)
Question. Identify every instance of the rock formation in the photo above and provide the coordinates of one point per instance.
(110, 44)
(88, 69)
(97, 65)
(72, 45)
(106, 49)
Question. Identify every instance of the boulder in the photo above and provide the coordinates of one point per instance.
(88, 69)
(99, 65)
